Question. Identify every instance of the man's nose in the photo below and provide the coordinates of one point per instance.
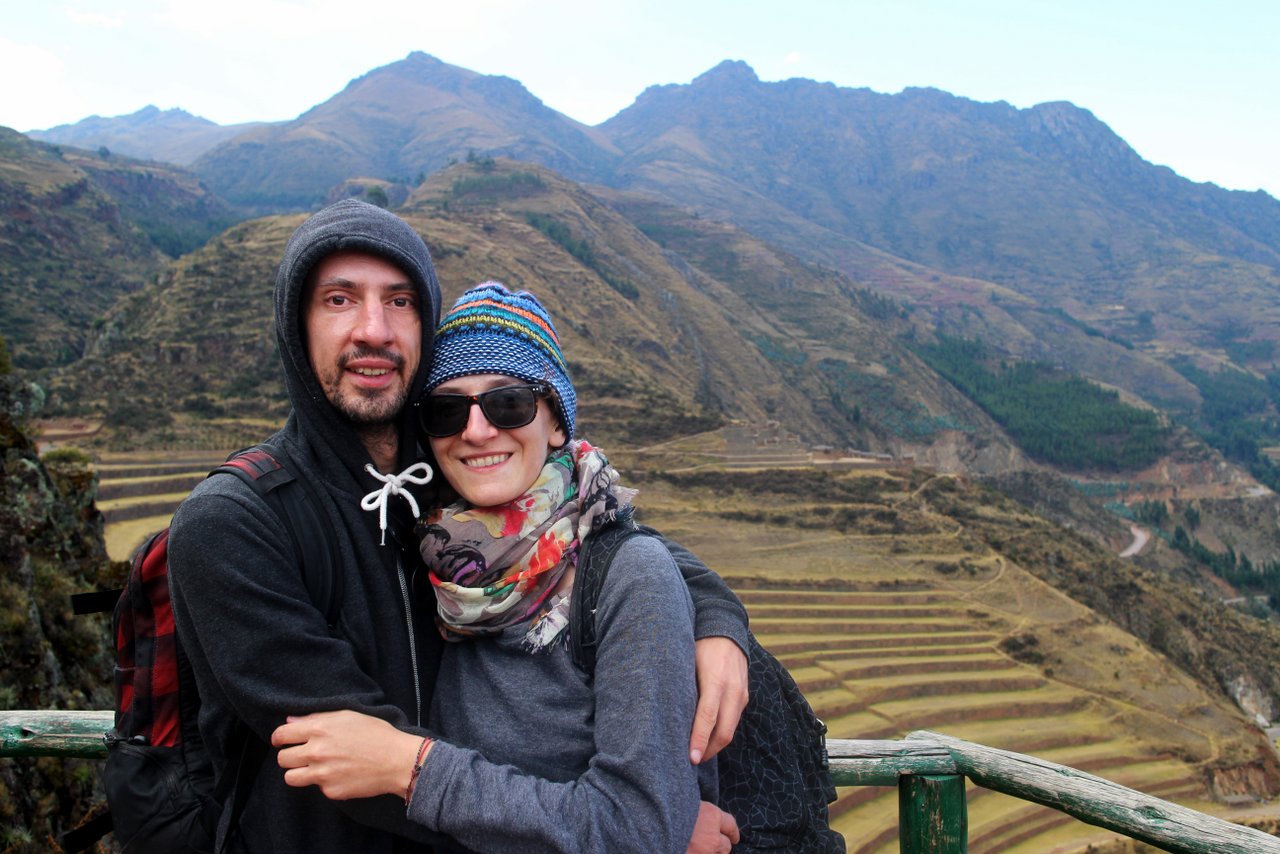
(374, 326)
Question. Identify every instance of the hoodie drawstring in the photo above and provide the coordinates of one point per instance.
(392, 485)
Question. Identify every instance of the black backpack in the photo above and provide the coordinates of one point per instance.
(774, 776)
(158, 775)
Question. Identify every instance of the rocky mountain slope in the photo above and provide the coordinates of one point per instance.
(400, 121)
(1047, 202)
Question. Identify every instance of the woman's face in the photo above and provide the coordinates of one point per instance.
(488, 466)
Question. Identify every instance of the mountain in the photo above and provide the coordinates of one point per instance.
(81, 229)
(170, 136)
(1047, 202)
(1038, 231)
(400, 121)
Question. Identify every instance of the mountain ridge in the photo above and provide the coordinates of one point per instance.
(1046, 201)
(173, 136)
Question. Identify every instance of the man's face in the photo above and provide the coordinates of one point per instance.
(364, 335)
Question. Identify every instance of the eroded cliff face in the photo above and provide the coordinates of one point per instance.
(50, 547)
(1254, 781)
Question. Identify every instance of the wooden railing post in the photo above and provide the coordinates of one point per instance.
(933, 816)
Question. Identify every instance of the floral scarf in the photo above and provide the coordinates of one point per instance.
(494, 567)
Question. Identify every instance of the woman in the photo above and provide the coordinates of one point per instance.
(591, 763)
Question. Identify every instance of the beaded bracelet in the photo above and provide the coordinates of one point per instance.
(417, 769)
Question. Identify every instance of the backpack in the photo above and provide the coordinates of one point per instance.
(774, 776)
(158, 775)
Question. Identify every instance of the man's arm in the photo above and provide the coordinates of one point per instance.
(720, 626)
(718, 611)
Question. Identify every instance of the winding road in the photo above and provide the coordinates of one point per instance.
(1140, 538)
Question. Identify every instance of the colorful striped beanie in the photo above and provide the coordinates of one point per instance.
(491, 330)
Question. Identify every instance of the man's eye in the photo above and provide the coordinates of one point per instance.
(402, 302)
(337, 299)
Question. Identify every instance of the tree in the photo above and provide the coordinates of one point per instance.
(375, 195)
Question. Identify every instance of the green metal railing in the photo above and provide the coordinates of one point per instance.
(928, 769)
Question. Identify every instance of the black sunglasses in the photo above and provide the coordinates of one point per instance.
(507, 408)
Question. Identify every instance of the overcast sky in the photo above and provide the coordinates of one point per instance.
(1190, 85)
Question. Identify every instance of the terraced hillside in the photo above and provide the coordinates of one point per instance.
(879, 663)
(137, 492)
(894, 617)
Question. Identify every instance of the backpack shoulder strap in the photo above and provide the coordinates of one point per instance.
(267, 469)
(593, 567)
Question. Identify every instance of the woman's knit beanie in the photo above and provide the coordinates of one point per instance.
(491, 330)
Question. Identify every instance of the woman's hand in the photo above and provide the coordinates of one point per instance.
(722, 695)
(346, 754)
(715, 833)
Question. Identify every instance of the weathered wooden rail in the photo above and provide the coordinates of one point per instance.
(929, 770)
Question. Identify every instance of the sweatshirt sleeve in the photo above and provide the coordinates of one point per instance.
(639, 792)
(718, 611)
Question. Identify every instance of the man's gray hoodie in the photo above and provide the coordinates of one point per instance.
(260, 648)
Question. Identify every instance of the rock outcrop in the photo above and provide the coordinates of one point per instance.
(50, 547)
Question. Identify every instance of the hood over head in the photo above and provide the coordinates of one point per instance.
(353, 226)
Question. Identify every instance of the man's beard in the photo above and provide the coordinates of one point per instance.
(366, 409)
(380, 409)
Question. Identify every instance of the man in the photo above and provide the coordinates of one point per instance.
(356, 305)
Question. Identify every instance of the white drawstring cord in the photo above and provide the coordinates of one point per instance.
(391, 485)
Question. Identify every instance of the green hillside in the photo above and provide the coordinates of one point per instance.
(80, 230)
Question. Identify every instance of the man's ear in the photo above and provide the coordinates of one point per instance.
(558, 437)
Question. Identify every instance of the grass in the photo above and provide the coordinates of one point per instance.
(173, 498)
(124, 537)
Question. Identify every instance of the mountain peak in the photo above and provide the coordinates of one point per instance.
(1077, 127)
(421, 58)
(731, 71)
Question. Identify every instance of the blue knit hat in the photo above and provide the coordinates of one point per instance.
(491, 330)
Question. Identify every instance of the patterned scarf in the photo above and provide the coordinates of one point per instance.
(494, 567)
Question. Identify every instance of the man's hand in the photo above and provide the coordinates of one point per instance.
(715, 833)
(722, 695)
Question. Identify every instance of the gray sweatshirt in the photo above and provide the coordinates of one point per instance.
(534, 755)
